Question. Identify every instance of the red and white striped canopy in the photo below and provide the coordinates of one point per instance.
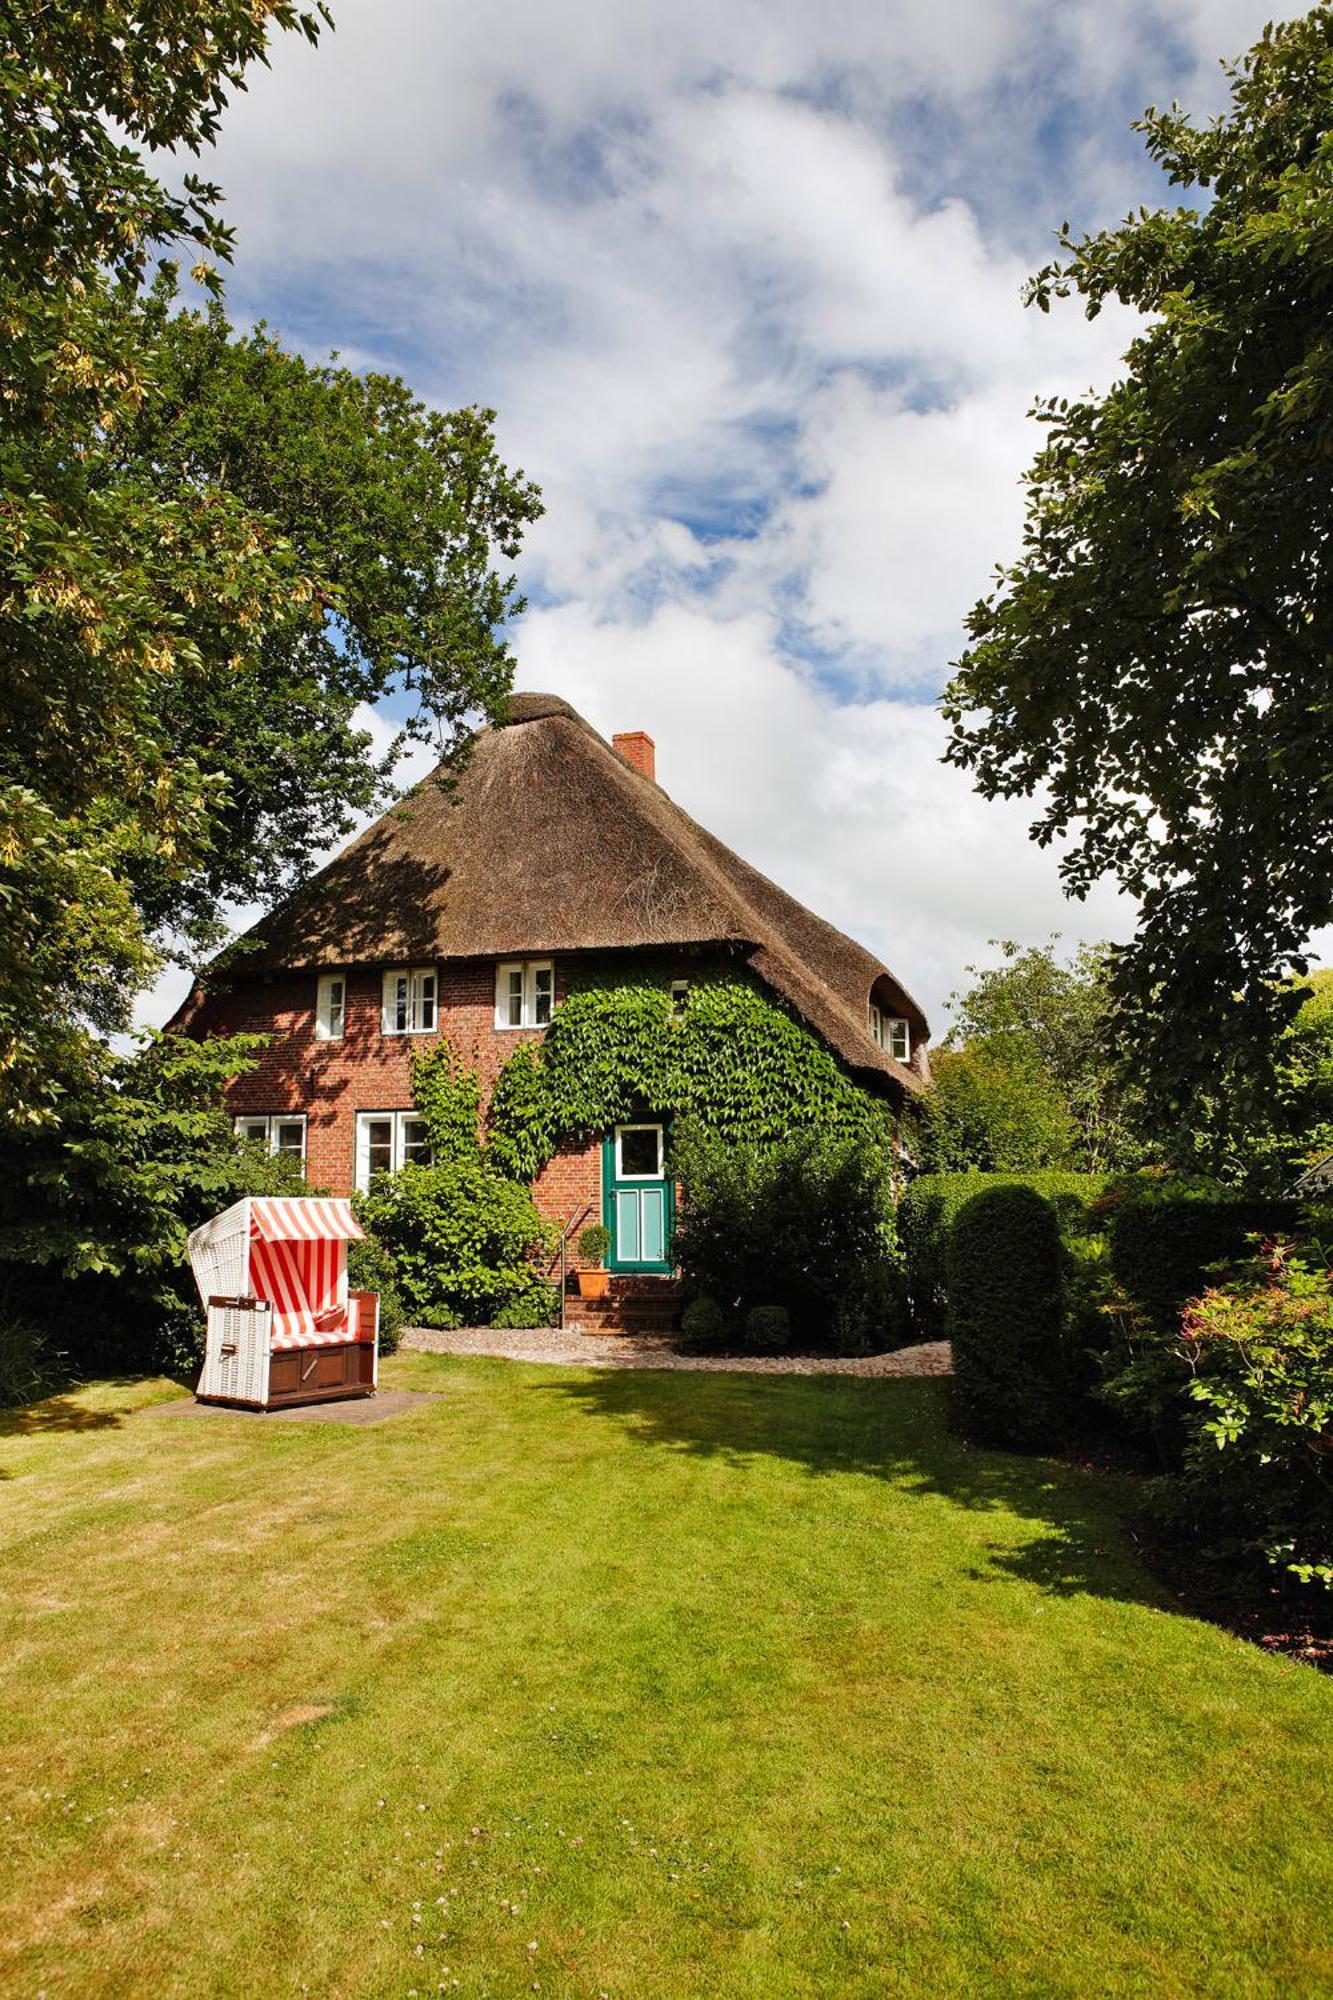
(302, 1219)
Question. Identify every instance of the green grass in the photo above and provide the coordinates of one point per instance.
(625, 1684)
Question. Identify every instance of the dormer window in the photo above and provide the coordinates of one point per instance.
(331, 1007)
(891, 1033)
(410, 1004)
(524, 993)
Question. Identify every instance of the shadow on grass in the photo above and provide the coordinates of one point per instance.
(897, 1430)
(62, 1412)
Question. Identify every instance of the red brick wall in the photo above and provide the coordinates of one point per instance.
(370, 1071)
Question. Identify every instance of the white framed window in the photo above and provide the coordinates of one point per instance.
(524, 992)
(331, 1007)
(680, 995)
(410, 1004)
(278, 1132)
(891, 1033)
(386, 1141)
(638, 1152)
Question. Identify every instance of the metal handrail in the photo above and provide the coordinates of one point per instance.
(565, 1234)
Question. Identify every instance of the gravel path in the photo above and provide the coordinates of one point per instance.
(652, 1350)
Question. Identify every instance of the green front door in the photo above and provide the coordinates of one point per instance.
(638, 1200)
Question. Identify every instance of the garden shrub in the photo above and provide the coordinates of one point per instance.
(1004, 1267)
(767, 1329)
(1254, 1368)
(703, 1324)
(1166, 1235)
(462, 1239)
(370, 1268)
(801, 1223)
(95, 1209)
(930, 1205)
(28, 1368)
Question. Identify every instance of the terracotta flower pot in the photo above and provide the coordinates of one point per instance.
(593, 1284)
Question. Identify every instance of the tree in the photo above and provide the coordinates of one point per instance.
(1158, 659)
(986, 1112)
(210, 552)
(1026, 1077)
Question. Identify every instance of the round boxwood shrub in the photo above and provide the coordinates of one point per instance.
(1006, 1313)
(767, 1329)
(703, 1323)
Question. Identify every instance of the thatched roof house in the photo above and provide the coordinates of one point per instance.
(547, 840)
(542, 857)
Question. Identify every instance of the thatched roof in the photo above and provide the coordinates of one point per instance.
(542, 839)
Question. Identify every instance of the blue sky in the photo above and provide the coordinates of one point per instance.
(743, 285)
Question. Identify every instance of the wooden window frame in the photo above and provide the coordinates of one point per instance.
(527, 969)
(325, 1031)
(397, 1122)
(641, 1125)
(416, 1001)
(271, 1120)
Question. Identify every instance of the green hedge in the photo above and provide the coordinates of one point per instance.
(1005, 1271)
(926, 1216)
(1165, 1235)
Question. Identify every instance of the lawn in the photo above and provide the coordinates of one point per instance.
(628, 1684)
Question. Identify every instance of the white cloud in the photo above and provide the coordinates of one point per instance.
(846, 805)
(743, 283)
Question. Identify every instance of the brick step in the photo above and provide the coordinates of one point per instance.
(629, 1307)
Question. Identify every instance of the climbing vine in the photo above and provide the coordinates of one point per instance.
(732, 1060)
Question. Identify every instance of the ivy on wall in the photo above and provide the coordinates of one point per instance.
(732, 1059)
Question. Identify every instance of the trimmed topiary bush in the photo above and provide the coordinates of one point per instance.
(1004, 1268)
(594, 1243)
(703, 1324)
(767, 1329)
(926, 1215)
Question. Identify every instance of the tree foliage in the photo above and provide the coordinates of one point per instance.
(210, 551)
(1157, 662)
(1026, 1077)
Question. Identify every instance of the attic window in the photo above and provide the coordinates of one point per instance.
(331, 1007)
(410, 1003)
(524, 993)
(891, 1033)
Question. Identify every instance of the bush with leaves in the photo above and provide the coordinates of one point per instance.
(95, 1211)
(462, 1239)
(1254, 1376)
(1011, 1358)
(800, 1224)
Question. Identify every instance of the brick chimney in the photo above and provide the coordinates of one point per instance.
(637, 748)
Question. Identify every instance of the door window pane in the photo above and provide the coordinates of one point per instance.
(640, 1151)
